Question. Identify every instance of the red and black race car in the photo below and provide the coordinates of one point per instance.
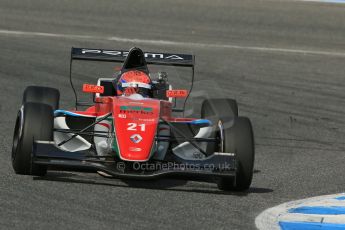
(133, 128)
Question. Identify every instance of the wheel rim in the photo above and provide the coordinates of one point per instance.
(17, 134)
(221, 136)
(15, 139)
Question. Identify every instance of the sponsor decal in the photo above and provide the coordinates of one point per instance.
(134, 149)
(121, 115)
(135, 109)
(146, 119)
(136, 138)
(119, 53)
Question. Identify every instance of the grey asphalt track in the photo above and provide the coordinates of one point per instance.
(296, 101)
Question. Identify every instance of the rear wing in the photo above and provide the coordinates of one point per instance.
(157, 58)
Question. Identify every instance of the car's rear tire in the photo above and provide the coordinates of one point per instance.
(44, 95)
(35, 121)
(219, 108)
(239, 139)
(215, 110)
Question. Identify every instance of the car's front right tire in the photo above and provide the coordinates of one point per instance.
(239, 139)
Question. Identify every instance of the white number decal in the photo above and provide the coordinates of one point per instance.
(142, 127)
(133, 126)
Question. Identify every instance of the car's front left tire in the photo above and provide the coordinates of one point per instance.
(44, 95)
(35, 121)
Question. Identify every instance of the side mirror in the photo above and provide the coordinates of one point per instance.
(87, 88)
(177, 93)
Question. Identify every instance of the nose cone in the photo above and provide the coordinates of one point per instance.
(135, 124)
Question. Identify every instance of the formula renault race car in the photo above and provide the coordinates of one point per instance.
(133, 128)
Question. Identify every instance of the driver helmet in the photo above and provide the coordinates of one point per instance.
(132, 82)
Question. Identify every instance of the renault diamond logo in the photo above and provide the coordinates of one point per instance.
(136, 138)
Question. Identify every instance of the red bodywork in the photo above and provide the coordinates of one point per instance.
(135, 123)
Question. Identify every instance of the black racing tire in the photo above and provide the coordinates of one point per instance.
(219, 108)
(45, 95)
(239, 139)
(35, 121)
(215, 110)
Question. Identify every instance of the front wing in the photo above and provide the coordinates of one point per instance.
(216, 165)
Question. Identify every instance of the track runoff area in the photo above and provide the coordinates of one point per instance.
(316, 213)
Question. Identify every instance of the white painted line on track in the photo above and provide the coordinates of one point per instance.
(325, 1)
(169, 43)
